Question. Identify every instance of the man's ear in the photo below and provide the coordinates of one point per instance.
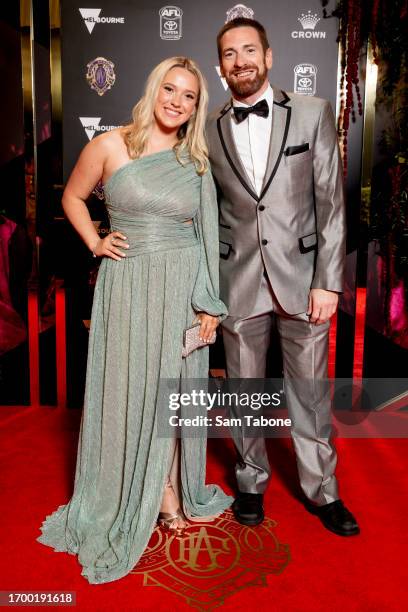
(222, 70)
(268, 58)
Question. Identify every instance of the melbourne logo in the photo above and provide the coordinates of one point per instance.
(91, 125)
(239, 10)
(171, 23)
(308, 22)
(100, 75)
(91, 17)
(305, 79)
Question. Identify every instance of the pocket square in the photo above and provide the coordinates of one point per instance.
(297, 149)
(308, 243)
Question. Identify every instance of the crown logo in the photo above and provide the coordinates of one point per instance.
(308, 20)
(239, 10)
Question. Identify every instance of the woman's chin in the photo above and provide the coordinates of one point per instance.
(169, 125)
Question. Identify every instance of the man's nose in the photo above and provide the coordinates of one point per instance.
(239, 60)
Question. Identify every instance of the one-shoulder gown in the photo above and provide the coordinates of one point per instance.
(141, 306)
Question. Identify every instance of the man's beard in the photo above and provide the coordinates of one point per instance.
(248, 87)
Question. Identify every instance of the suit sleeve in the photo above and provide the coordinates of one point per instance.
(329, 205)
(205, 296)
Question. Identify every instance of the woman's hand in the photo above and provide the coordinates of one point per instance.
(208, 325)
(108, 246)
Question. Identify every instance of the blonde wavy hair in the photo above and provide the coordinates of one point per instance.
(191, 139)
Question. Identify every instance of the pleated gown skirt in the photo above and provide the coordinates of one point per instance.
(141, 306)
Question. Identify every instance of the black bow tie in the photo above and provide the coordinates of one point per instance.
(261, 108)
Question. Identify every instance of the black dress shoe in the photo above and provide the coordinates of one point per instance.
(335, 517)
(248, 508)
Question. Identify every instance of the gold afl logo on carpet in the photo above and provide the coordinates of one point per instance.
(213, 560)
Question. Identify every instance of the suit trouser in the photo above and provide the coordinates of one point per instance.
(305, 354)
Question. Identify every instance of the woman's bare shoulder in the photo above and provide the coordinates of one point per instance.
(109, 140)
(106, 145)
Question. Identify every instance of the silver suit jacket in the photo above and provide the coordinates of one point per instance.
(295, 230)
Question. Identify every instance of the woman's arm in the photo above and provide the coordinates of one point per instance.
(87, 172)
(205, 300)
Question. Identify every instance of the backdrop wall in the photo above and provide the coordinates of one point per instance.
(136, 35)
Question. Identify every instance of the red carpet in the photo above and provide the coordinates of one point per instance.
(297, 565)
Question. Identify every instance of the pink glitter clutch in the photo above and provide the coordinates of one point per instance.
(191, 339)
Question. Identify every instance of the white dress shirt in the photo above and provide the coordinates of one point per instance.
(252, 137)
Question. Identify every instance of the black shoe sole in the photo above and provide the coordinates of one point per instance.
(249, 522)
(339, 532)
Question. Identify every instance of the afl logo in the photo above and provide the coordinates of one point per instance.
(170, 22)
(305, 79)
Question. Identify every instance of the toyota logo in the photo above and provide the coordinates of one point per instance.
(305, 82)
(170, 25)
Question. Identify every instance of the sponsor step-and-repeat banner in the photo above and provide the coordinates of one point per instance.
(108, 50)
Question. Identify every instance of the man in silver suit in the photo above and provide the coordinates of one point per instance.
(276, 162)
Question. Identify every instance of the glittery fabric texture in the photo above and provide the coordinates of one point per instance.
(141, 306)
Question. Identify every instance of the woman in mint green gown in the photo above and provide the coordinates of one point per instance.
(160, 273)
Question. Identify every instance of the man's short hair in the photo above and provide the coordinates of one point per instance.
(240, 22)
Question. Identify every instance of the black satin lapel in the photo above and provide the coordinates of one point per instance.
(231, 153)
(279, 133)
